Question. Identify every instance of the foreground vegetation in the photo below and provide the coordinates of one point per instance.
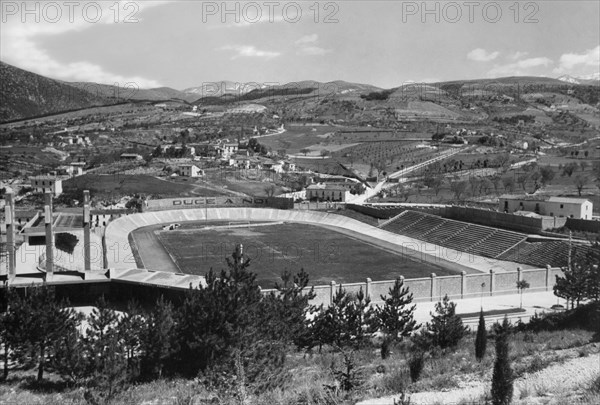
(227, 343)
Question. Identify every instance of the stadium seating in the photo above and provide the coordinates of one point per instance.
(555, 253)
(476, 239)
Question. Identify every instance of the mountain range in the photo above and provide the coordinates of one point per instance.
(24, 94)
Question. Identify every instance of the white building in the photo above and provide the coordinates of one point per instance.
(41, 184)
(228, 149)
(327, 192)
(190, 171)
(578, 208)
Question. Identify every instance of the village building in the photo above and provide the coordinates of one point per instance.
(327, 192)
(190, 171)
(578, 208)
(42, 184)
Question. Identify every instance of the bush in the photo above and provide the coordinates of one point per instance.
(416, 362)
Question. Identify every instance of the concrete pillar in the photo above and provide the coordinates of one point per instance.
(86, 231)
(463, 284)
(9, 215)
(368, 288)
(332, 292)
(548, 274)
(492, 281)
(433, 286)
(49, 234)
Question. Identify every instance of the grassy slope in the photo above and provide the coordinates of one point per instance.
(530, 353)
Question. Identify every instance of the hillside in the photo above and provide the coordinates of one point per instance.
(24, 94)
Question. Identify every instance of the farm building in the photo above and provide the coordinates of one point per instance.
(190, 171)
(131, 156)
(327, 192)
(41, 184)
(578, 208)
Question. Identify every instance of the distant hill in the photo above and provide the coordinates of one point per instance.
(126, 93)
(24, 94)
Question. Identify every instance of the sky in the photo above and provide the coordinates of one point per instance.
(186, 43)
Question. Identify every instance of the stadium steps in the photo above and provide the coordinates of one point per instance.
(389, 221)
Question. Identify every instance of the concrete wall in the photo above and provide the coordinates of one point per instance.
(456, 287)
(203, 202)
(583, 225)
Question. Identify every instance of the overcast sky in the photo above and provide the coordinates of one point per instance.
(385, 43)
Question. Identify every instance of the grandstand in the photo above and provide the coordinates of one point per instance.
(555, 253)
(465, 237)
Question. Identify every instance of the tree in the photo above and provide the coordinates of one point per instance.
(458, 188)
(502, 377)
(569, 169)
(481, 338)
(522, 285)
(106, 351)
(547, 174)
(41, 321)
(509, 184)
(324, 153)
(304, 151)
(343, 323)
(395, 319)
(581, 277)
(580, 182)
(446, 329)
(157, 339)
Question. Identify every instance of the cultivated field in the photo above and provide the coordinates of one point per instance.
(325, 254)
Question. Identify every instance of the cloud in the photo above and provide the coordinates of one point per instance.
(481, 55)
(521, 67)
(307, 39)
(518, 55)
(570, 61)
(308, 45)
(313, 50)
(20, 46)
(249, 51)
(244, 23)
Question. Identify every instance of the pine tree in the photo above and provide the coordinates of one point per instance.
(106, 351)
(446, 329)
(157, 339)
(35, 322)
(481, 339)
(395, 319)
(502, 378)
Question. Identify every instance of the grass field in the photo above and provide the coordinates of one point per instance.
(325, 254)
(125, 184)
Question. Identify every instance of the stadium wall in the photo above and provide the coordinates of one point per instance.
(204, 202)
(433, 288)
(584, 225)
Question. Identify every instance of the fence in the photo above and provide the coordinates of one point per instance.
(434, 288)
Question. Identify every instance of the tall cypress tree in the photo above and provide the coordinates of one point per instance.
(481, 339)
(502, 378)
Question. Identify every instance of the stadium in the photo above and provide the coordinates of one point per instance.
(169, 249)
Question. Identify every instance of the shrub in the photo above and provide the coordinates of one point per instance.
(416, 362)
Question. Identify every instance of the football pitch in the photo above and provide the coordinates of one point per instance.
(273, 248)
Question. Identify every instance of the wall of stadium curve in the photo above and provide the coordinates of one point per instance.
(478, 275)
